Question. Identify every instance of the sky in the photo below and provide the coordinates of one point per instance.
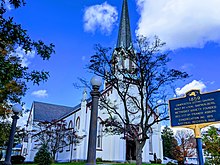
(191, 30)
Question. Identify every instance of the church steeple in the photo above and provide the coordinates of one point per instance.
(122, 59)
(124, 33)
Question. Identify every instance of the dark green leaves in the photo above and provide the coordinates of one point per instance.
(43, 50)
(14, 75)
(211, 140)
(37, 76)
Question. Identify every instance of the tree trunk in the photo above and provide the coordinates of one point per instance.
(139, 147)
(54, 155)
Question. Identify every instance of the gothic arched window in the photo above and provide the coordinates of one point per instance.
(70, 124)
(70, 134)
(77, 123)
(99, 134)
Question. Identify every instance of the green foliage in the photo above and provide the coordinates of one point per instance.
(169, 142)
(4, 132)
(212, 145)
(157, 161)
(98, 159)
(5, 127)
(13, 75)
(83, 163)
(170, 163)
(207, 163)
(17, 159)
(43, 156)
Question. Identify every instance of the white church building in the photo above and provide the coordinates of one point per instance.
(109, 147)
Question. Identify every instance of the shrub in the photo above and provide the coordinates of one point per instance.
(207, 163)
(43, 157)
(98, 159)
(159, 161)
(170, 163)
(17, 159)
(152, 161)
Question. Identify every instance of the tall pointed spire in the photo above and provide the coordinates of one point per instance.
(124, 33)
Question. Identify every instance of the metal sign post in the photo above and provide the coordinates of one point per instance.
(198, 137)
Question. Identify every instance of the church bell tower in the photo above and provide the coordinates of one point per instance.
(124, 41)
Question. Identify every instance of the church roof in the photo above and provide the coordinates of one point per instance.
(49, 112)
(124, 33)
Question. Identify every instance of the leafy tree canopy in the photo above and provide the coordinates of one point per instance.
(169, 142)
(13, 75)
(212, 145)
(4, 132)
(5, 127)
(43, 156)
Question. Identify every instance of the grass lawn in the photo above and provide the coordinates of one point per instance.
(83, 163)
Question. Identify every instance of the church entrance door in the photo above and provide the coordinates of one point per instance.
(130, 150)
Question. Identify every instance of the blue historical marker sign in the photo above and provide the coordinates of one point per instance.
(195, 108)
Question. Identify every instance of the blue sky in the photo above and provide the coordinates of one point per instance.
(191, 30)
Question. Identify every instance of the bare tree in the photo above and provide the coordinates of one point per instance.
(55, 135)
(141, 79)
(186, 144)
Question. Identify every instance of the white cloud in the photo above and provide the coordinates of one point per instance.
(40, 93)
(180, 23)
(193, 85)
(25, 56)
(101, 17)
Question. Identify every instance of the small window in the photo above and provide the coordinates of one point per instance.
(70, 127)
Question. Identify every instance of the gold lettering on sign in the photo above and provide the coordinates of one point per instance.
(195, 110)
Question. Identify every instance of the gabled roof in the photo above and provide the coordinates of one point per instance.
(49, 112)
(124, 33)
